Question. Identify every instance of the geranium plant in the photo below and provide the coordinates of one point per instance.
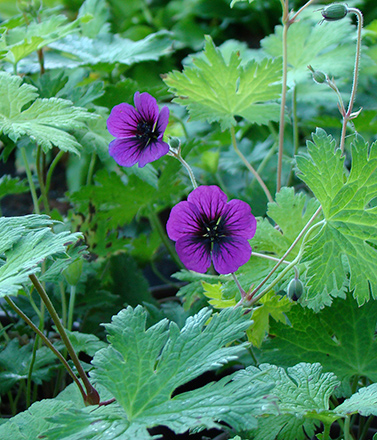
(188, 241)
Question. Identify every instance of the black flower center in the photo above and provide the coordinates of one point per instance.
(212, 231)
(145, 132)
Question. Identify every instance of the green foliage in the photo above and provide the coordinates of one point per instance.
(21, 41)
(345, 243)
(25, 242)
(340, 338)
(109, 49)
(15, 363)
(328, 47)
(214, 90)
(44, 121)
(363, 402)
(9, 185)
(302, 392)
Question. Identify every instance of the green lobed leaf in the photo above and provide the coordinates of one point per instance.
(363, 402)
(301, 390)
(344, 244)
(215, 90)
(112, 49)
(21, 41)
(142, 368)
(12, 185)
(26, 242)
(29, 424)
(340, 338)
(44, 121)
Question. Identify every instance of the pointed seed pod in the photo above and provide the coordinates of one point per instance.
(334, 12)
(295, 289)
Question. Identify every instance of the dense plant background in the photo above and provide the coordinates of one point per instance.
(174, 356)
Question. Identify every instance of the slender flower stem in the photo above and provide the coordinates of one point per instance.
(21, 314)
(292, 19)
(249, 166)
(177, 155)
(286, 24)
(348, 115)
(71, 306)
(52, 168)
(30, 180)
(92, 164)
(269, 257)
(92, 397)
(250, 296)
(326, 431)
(41, 179)
(156, 224)
(347, 433)
(64, 303)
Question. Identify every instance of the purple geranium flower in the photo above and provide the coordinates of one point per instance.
(206, 227)
(139, 131)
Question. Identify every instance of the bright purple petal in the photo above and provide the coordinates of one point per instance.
(231, 254)
(153, 151)
(193, 254)
(147, 107)
(209, 199)
(238, 219)
(126, 152)
(183, 220)
(162, 122)
(122, 121)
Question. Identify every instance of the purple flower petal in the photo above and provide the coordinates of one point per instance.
(193, 254)
(229, 255)
(239, 220)
(153, 151)
(122, 121)
(209, 199)
(126, 152)
(147, 107)
(162, 122)
(183, 221)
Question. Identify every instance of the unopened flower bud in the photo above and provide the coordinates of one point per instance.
(73, 272)
(318, 76)
(174, 143)
(334, 12)
(295, 289)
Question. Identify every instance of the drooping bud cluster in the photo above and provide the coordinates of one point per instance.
(29, 6)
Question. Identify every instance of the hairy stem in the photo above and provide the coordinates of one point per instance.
(348, 115)
(28, 321)
(250, 296)
(51, 169)
(92, 397)
(249, 166)
(41, 179)
(33, 190)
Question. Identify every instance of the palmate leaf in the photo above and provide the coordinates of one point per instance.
(24, 243)
(214, 90)
(363, 402)
(344, 245)
(44, 121)
(142, 368)
(302, 390)
(340, 338)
